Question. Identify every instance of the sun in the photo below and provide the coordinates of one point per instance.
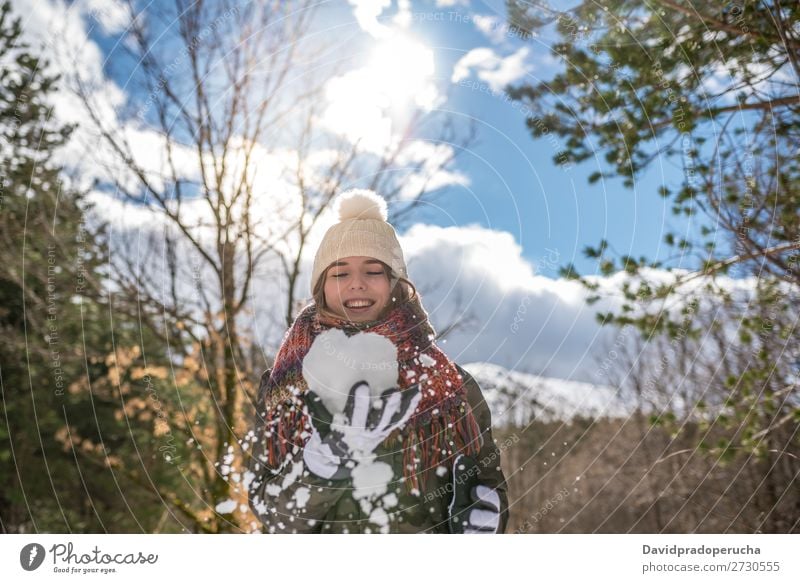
(404, 70)
(366, 103)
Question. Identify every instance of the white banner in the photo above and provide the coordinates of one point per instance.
(346, 558)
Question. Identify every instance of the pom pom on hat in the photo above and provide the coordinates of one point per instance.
(360, 203)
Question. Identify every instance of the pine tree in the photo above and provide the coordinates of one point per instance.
(711, 88)
(82, 447)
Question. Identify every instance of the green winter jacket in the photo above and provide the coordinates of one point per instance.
(293, 500)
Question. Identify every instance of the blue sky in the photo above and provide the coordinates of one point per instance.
(514, 184)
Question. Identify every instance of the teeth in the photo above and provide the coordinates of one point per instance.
(358, 303)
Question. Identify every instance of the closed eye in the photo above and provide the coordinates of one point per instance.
(368, 273)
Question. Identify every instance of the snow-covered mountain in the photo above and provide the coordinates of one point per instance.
(517, 398)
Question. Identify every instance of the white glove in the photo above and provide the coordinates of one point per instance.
(475, 507)
(338, 442)
(485, 517)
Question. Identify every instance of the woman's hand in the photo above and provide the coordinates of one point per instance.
(475, 508)
(334, 448)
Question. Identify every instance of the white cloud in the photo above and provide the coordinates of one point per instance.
(111, 15)
(61, 30)
(493, 27)
(524, 321)
(367, 13)
(403, 18)
(451, 3)
(59, 33)
(496, 71)
(433, 173)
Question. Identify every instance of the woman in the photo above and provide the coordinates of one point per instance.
(364, 424)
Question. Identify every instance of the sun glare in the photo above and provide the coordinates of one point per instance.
(404, 69)
(365, 103)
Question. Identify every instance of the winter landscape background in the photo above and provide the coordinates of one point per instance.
(598, 202)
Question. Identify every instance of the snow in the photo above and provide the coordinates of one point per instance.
(273, 490)
(226, 506)
(336, 362)
(227, 460)
(426, 360)
(378, 516)
(371, 478)
(301, 496)
(292, 475)
(248, 478)
(370, 484)
(516, 398)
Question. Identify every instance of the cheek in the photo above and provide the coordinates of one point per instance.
(385, 291)
(331, 291)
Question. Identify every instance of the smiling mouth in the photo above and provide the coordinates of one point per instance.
(359, 306)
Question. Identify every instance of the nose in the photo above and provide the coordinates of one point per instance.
(357, 282)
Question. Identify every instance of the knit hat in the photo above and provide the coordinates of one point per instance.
(362, 230)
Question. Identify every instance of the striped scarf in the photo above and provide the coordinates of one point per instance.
(442, 426)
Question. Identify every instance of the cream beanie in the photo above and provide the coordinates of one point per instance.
(362, 230)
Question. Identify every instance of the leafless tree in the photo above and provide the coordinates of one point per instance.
(228, 88)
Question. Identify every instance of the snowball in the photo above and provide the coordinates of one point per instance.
(336, 362)
(379, 517)
(371, 479)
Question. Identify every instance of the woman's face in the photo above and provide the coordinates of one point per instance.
(352, 282)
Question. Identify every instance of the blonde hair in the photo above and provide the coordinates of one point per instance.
(403, 292)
